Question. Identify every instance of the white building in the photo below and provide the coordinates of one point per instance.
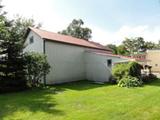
(72, 59)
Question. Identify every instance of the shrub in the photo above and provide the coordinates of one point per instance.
(134, 69)
(148, 78)
(125, 69)
(129, 81)
(37, 68)
(119, 71)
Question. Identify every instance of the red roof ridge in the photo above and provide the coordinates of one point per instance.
(66, 39)
(53, 32)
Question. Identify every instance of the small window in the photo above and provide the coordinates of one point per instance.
(156, 65)
(109, 63)
(31, 40)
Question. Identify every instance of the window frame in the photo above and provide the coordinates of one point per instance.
(31, 40)
(109, 63)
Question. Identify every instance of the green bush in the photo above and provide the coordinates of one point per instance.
(129, 81)
(126, 69)
(134, 69)
(148, 78)
(119, 71)
(37, 67)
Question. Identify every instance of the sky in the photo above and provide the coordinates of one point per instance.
(111, 21)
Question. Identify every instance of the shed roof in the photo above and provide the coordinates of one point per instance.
(67, 39)
(104, 53)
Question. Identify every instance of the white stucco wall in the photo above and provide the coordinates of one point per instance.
(97, 68)
(36, 46)
(67, 62)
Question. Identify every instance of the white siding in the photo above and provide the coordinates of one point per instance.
(71, 63)
(67, 62)
(97, 68)
(36, 46)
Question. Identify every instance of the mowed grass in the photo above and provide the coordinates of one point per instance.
(83, 101)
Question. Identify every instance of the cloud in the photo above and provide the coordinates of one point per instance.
(47, 13)
(107, 37)
(44, 12)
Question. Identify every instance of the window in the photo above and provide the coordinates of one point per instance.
(156, 65)
(31, 40)
(109, 63)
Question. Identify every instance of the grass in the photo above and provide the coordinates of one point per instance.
(83, 101)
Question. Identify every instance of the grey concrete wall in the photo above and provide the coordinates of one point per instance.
(67, 62)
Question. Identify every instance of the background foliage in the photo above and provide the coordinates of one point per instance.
(75, 29)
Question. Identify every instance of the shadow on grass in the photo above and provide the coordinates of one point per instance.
(33, 101)
(79, 85)
(155, 82)
(40, 100)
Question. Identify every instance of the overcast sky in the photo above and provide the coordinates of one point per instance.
(110, 20)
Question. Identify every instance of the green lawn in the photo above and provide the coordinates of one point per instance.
(83, 101)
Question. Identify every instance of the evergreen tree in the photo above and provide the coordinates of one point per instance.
(12, 64)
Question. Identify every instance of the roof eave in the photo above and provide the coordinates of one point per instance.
(76, 44)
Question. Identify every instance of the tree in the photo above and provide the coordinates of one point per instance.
(37, 68)
(21, 25)
(134, 45)
(75, 29)
(151, 45)
(139, 44)
(113, 48)
(12, 65)
(121, 50)
(12, 62)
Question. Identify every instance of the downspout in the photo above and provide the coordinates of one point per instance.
(44, 52)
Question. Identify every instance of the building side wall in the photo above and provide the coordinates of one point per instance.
(67, 62)
(71, 63)
(153, 59)
(97, 68)
(36, 46)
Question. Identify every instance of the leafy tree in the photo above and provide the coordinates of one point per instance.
(75, 29)
(134, 45)
(151, 45)
(139, 44)
(113, 48)
(121, 50)
(158, 42)
(129, 45)
(37, 68)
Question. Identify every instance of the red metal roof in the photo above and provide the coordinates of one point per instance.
(66, 39)
(105, 53)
